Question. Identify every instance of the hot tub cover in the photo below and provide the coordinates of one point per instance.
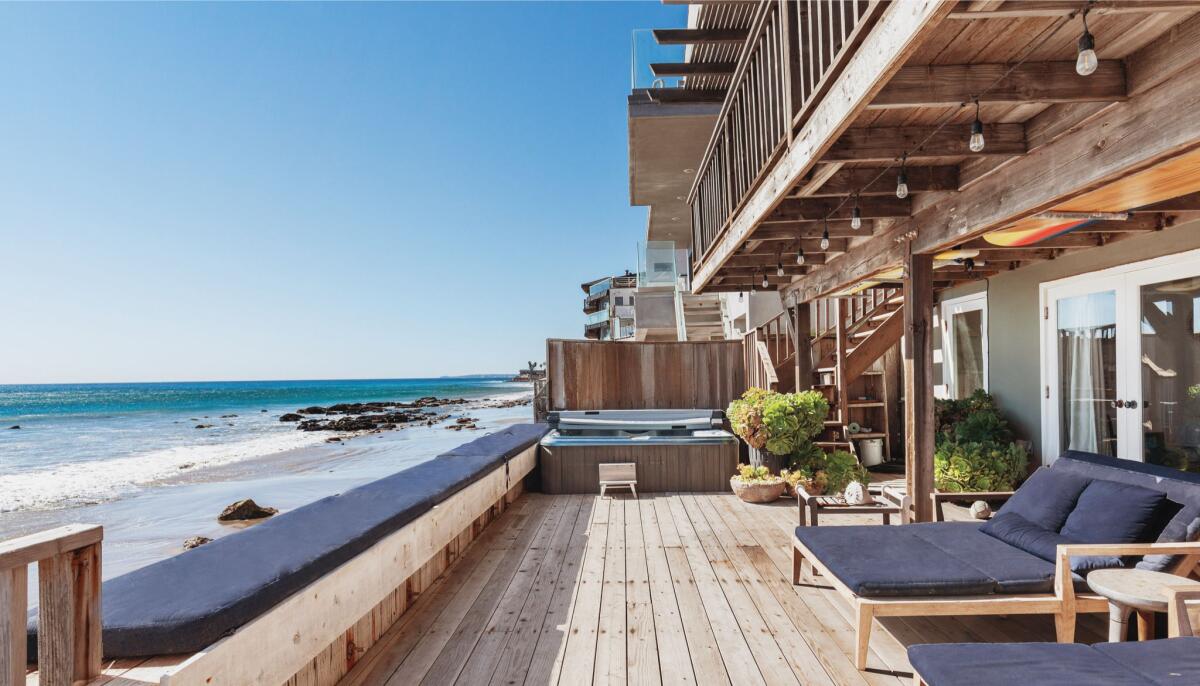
(188, 602)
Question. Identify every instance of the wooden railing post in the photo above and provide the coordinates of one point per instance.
(918, 382)
(69, 643)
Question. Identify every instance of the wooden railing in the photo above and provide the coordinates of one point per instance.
(856, 309)
(68, 560)
(760, 369)
(795, 49)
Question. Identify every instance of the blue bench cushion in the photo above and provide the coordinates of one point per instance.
(188, 602)
(945, 558)
(1113, 512)
(1046, 498)
(1169, 662)
(1016, 531)
(1008, 664)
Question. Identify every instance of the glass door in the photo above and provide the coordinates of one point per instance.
(1163, 406)
(1081, 352)
(964, 343)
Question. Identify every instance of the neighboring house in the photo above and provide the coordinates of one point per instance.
(609, 305)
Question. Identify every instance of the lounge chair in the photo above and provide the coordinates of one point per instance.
(1174, 660)
(1085, 512)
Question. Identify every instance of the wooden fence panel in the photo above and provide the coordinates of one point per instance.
(621, 375)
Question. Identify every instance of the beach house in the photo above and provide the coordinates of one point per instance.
(888, 202)
(608, 303)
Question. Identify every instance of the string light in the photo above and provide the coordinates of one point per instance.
(976, 143)
(765, 283)
(779, 266)
(800, 255)
(902, 178)
(1086, 63)
(856, 215)
(825, 235)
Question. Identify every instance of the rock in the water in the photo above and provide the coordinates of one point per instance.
(290, 417)
(187, 465)
(15, 426)
(196, 542)
(245, 509)
(204, 426)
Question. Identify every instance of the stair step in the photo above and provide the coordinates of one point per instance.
(865, 403)
(831, 444)
(870, 434)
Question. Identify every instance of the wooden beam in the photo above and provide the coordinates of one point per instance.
(1183, 203)
(700, 36)
(1165, 57)
(811, 244)
(801, 325)
(789, 231)
(817, 209)
(692, 68)
(763, 259)
(902, 27)
(951, 85)
(886, 144)
(920, 180)
(1125, 139)
(686, 95)
(1062, 8)
(919, 428)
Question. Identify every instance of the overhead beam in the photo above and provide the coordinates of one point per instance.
(700, 36)
(791, 230)
(811, 244)
(1062, 8)
(693, 68)
(818, 209)
(686, 95)
(876, 181)
(788, 254)
(900, 29)
(887, 144)
(1183, 203)
(1125, 139)
(950, 85)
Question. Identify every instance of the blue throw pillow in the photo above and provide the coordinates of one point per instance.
(1046, 498)
(1113, 512)
(1024, 535)
(1184, 527)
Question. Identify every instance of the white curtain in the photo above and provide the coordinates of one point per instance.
(1087, 391)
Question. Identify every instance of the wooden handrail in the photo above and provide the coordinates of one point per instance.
(69, 646)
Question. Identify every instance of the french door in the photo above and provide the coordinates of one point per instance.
(1121, 362)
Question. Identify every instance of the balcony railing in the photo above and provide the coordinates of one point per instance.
(795, 50)
(597, 317)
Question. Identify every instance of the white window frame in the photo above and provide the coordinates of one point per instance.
(966, 303)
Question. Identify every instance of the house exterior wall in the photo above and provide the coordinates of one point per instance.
(1014, 351)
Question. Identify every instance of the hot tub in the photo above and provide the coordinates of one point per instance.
(674, 450)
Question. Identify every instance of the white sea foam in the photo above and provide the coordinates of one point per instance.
(98, 480)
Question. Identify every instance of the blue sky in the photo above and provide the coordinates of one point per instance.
(265, 191)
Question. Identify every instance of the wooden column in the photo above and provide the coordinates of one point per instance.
(801, 326)
(13, 604)
(840, 306)
(918, 382)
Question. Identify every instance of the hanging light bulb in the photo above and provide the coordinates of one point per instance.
(779, 268)
(969, 264)
(825, 235)
(976, 143)
(1086, 63)
(902, 179)
(800, 255)
(765, 283)
(856, 215)
(740, 296)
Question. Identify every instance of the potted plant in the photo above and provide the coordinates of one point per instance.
(776, 425)
(805, 478)
(756, 484)
(975, 448)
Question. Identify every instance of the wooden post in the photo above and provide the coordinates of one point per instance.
(802, 329)
(13, 606)
(918, 382)
(840, 377)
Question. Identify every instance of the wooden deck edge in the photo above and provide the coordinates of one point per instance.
(317, 635)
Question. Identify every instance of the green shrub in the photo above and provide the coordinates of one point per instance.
(840, 469)
(756, 475)
(778, 422)
(950, 413)
(981, 466)
(982, 426)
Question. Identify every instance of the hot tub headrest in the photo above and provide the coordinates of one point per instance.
(186, 603)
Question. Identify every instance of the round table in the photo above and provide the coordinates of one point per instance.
(1134, 590)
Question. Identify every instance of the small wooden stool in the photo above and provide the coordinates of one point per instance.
(618, 475)
(1134, 590)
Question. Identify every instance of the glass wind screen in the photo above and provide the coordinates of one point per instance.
(1087, 372)
(1170, 371)
(967, 330)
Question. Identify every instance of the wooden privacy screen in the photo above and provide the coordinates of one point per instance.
(621, 375)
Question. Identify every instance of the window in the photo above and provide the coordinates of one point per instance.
(620, 301)
(964, 345)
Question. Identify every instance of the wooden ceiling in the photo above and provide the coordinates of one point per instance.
(927, 108)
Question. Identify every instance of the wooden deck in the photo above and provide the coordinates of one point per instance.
(666, 588)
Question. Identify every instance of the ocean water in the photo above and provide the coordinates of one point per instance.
(80, 444)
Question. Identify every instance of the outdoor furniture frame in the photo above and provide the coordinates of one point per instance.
(1179, 622)
(1064, 603)
(939, 498)
(618, 475)
(887, 503)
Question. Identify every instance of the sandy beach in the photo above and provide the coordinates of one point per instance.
(153, 523)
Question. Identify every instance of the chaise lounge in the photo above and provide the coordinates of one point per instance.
(1175, 660)
(1085, 512)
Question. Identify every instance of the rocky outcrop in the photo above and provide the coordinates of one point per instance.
(245, 509)
(196, 542)
(14, 426)
(290, 417)
(204, 426)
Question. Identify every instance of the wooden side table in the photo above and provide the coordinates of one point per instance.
(1134, 590)
(886, 503)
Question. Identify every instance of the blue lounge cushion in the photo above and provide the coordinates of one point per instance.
(186, 603)
(1011, 570)
(1183, 527)
(1027, 664)
(1113, 512)
(1169, 662)
(1019, 532)
(1046, 498)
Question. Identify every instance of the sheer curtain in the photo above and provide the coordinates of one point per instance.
(1087, 388)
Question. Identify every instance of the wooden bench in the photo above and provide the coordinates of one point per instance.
(618, 475)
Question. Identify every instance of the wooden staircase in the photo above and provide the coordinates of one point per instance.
(849, 337)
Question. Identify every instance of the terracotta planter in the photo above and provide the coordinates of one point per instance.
(757, 492)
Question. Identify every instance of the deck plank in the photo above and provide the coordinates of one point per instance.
(641, 651)
(610, 639)
(579, 657)
(674, 657)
